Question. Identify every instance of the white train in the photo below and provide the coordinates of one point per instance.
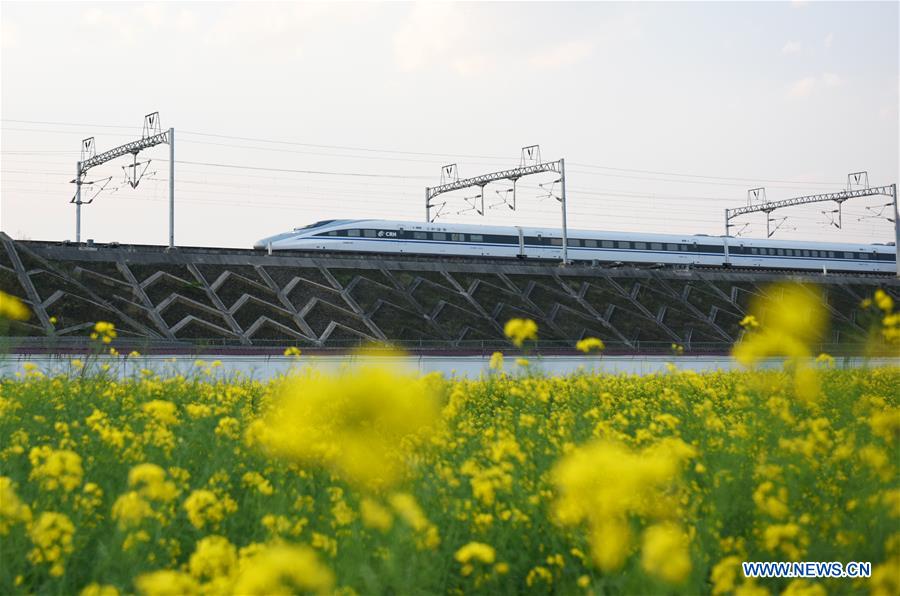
(381, 236)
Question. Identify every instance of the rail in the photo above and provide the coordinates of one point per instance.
(225, 346)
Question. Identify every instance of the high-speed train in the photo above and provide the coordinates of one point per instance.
(381, 236)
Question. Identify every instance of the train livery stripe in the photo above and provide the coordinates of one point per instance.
(733, 257)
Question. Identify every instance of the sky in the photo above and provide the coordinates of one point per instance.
(289, 113)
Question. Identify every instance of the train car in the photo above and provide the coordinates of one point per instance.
(783, 254)
(393, 237)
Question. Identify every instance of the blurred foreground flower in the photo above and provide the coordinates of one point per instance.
(605, 482)
(520, 330)
(353, 423)
(590, 344)
(890, 322)
(13, 308)
(104, 331)
(283, 569)
(292, 351)
(51, 534)
(12, 509)
(794, 318)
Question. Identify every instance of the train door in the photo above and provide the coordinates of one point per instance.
(521, 254)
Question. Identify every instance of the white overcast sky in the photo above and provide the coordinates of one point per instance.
(666, 113)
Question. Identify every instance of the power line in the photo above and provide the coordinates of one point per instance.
(705, 176)
(317, 172)
(435, 154)
(70, 124)
(296, 151)
(677, 181)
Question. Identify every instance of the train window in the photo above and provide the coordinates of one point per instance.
(780, 251)
(353, 232)
(369, 233)
(457, 237)
(753, 250)
(640, 245)
(590, 243)
(683, 246)
(439, 235)
(574, 242)
(332, 233)
(420, 235)
(671, 247)
(656, 245)
(863, 255)
(607, 243)
(830, 254)
(805, 253)
(556, 242)
(848, 255)
(624, 244)
(476, 238)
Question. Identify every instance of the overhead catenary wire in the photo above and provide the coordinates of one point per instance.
(742, 179)
(591, 197)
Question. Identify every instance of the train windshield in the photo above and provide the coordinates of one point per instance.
(316, 225)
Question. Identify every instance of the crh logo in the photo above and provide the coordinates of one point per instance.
(383, 234)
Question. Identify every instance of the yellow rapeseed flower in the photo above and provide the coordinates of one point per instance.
(749, 322)
(375, 515)
(162, 411)
(51, 535)
(214, 556)
(56, 468)
(520, 331)
(794, 318)
(130, 509)
(13, 308)
(151, 483)
(104, 331)
(353, 423)
(12, 510)
(283, 569)
(95, 589)
(883, 301)
(665, 553)
(204, 508)
(477, 551)
(604, 482)
(166, 583)
(590, 344)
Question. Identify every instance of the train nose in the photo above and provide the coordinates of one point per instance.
(276, 242)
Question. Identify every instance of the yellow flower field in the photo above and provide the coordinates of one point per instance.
(373, 481)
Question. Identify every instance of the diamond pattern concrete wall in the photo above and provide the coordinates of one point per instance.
(248, 298)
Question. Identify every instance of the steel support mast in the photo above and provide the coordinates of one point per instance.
(152, 136)
(838, 197)
(513, 175)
